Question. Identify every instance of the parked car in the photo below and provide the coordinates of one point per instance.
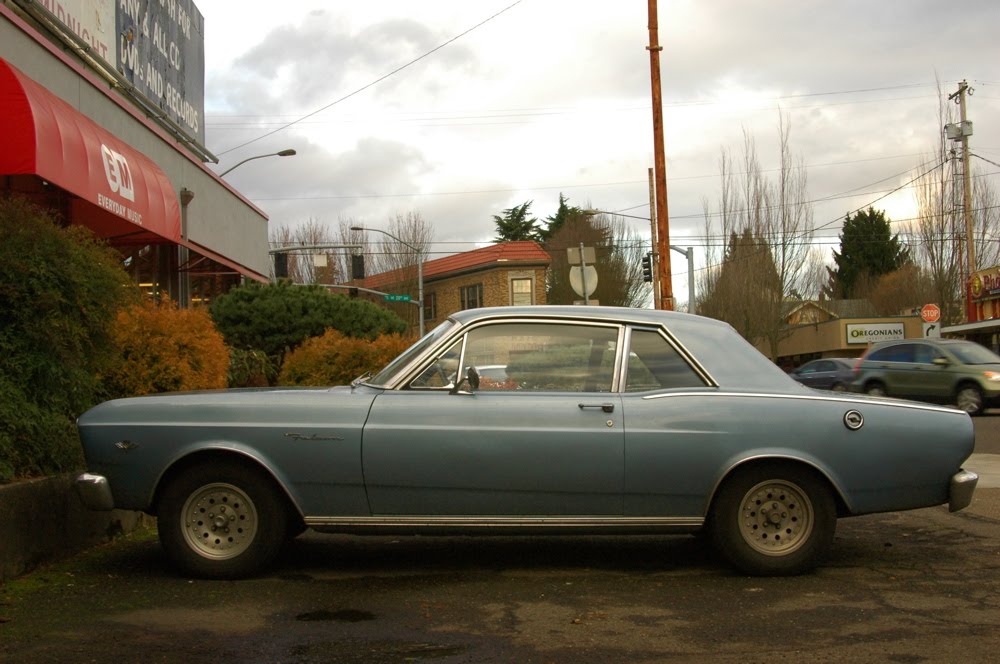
(829, 373)
(607, 420)
(952, 371)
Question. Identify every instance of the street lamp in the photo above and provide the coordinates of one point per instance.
(420, 271)
(284, 153)
(688, 253)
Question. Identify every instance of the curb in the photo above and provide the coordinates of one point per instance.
(44, 520)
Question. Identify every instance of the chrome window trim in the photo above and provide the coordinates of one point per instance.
(810, 397)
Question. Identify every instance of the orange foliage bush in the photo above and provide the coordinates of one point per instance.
(166, 349)
(333, 359)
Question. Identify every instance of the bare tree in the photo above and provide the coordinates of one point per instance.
(305, 264)
(761, 254)
(399, 256)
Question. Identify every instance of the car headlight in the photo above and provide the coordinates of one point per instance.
(992, 375)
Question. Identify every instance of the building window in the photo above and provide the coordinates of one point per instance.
(430, 306)
(472, 296)
(521, 292)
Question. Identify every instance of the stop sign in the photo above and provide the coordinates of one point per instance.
(931, 313)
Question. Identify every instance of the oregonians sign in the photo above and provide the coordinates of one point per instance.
(865, 333)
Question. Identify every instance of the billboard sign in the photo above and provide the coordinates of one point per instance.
(161, 51)
(866, 333)
(157, 45)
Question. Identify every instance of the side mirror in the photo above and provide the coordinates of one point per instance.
(941, 361)
(471, 377)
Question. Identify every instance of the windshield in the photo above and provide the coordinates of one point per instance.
(428, 340)
(968, 352)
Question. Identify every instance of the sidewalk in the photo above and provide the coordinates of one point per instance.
(987, 466)
(986, 501)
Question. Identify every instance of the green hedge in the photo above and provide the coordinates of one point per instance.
(59, 292)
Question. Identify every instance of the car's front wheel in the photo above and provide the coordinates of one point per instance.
(775, 519)
(876, 389)
(221, 520)
(970, 399)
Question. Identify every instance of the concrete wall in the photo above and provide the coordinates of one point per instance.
(218, 218)
(44, 521)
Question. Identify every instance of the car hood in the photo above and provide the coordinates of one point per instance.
(216, 405)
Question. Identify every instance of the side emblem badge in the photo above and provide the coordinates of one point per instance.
(854, 420)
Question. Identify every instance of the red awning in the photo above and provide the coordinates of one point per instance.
(40, 134)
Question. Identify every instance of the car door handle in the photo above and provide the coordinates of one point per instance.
(606, 407)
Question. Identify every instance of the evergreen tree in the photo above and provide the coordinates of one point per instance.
(516, 224)
(868, 250)
(553, 223)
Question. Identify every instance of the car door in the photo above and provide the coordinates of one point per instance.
(545, 439)
(672, 442)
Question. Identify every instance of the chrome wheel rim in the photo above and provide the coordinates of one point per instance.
(876, 391)
(776, 517)
(969, 400)
(219, 521)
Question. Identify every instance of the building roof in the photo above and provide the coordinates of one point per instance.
(504, 254)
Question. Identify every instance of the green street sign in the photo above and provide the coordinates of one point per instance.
(389, 297)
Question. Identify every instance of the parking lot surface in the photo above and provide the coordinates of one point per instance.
(920, 586)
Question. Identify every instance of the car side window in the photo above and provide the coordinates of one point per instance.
(897, 353)
(442, 371)
(653, 364)
(825, 365)
(923, 354)
(543, 357)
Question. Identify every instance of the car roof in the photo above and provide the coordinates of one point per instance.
(616, 314)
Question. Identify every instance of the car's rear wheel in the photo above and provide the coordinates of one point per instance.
(876, 389)
(222, 521)
(970, 399)
(773, 520)
(839, 387)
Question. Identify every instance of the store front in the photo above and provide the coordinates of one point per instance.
(72, 144)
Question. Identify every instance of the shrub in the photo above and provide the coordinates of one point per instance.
(59, 292)
(250, 368)
(334, 359)
(278, 317)
(274, 319)
(165, 349)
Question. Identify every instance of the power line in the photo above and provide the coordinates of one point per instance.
(376, 81)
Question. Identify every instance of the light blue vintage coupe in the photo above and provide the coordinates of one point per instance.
(588, 420)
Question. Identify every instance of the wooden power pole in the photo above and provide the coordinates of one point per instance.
(666, 300)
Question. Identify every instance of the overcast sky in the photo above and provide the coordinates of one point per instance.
(550, 96)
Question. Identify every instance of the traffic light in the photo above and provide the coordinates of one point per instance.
(280, 266)
(357, 267)
(647, 267)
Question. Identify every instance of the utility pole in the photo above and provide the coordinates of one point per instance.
(652, 234)
(660, 165)
(961, 133)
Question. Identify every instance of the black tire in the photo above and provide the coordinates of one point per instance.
(776, 519)
(839, 387)
(969, 397)
(221, 520)
(876, 389)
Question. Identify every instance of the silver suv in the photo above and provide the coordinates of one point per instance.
(939, 370)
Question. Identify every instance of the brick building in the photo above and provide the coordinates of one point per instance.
(509, 273)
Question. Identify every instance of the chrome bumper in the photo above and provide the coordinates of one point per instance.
(94, 492)
(963, 484)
